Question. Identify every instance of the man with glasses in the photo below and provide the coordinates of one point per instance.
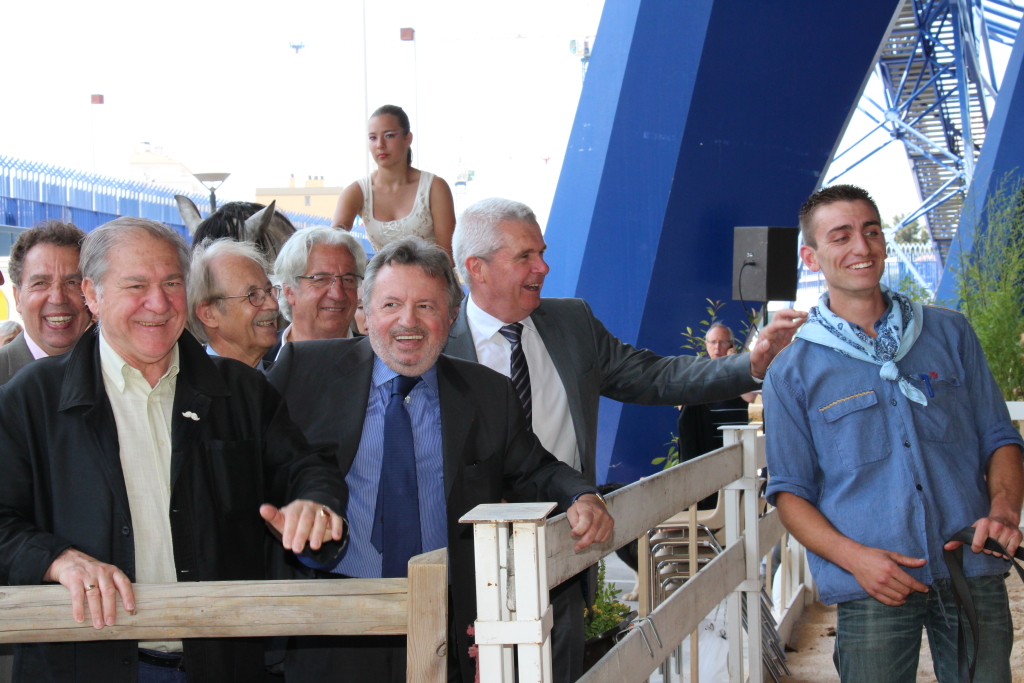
(232, 305)
(319, 271)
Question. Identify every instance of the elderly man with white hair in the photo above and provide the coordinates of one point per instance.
(232, 305)
(319, 270)
(138, 458)
(562, 360)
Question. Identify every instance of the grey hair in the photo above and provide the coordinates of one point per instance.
(98, 243)
(415, 251)
(724, 327)
(203, 287)
(9, 327)
(294, 257)
(477, 234)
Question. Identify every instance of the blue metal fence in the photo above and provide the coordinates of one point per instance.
(31, 192)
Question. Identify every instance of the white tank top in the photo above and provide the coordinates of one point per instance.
(419, 222)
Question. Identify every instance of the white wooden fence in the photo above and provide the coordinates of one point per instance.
(520, 555)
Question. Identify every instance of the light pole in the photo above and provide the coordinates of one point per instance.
(409, 34)
(211, 181)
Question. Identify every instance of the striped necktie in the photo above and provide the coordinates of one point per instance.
(520, 371)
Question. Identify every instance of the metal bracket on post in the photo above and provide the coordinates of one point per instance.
(529, 627)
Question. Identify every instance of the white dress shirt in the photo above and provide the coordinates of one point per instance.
(552, 422)
(143, 416)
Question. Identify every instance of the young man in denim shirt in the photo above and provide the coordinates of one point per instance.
(886, 435)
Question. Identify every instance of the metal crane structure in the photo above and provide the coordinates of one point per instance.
(939, 85)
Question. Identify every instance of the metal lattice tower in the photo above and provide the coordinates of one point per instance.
(936, 69)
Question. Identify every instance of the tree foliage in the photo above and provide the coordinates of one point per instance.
(990, 286)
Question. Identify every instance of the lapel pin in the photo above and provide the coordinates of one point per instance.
(190, 415)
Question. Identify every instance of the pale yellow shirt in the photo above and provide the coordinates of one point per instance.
(143, 417)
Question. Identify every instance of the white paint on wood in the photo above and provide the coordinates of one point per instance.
(630, 661)
(794, 609)
(520, 631)
(508, 512)
(661, 496)
(488, 597)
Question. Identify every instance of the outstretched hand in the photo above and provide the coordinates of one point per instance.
(301, 521)
(589, 521)
(773, 338)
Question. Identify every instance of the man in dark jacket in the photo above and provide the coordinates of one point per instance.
(139, 458)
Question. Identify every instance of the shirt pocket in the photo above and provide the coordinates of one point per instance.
(939, 421)
(233, 472)
(857, 426)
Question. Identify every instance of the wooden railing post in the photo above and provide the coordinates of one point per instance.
(427, 650)
(530, 625)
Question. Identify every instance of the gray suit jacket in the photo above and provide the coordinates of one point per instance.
(592, 363)
(14, 357)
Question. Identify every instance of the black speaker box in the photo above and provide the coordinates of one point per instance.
(766, 259)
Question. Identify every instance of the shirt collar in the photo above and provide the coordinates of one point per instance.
(37, 351)
(485, 323)
(118, 371)
(382, 374)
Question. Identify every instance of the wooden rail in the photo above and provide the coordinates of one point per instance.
(417, 607)
(542, 553)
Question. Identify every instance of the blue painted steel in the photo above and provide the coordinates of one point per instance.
(695, 117)
(1001, 158)
(31, 192)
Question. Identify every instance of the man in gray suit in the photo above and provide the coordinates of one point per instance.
(562, 360)
(47, 294)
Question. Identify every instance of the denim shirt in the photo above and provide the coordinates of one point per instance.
(885, 471)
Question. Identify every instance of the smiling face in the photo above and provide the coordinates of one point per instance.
(50, 298)
(508, 283)
(388, 143)
(850, 250)
(236, 328)
(408, 319)
(141, 302)
(323, 313)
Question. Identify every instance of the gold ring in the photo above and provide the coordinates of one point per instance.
(90, 587)
(324, 512)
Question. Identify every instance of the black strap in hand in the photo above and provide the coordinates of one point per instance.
(962, 594)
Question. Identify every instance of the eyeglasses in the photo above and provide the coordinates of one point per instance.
(257, 296)
(325, 280)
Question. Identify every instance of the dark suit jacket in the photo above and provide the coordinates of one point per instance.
(593, 363)
(62, 486)
(13, 357)
(488, 452)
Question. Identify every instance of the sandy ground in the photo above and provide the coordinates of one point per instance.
(812, 663)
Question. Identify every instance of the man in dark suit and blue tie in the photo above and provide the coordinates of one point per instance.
(422, 439)
(563, 360)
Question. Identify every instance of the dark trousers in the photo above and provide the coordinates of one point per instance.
(345, 659)
(568, 601)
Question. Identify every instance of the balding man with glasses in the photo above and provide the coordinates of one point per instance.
(319, 271)
(232, 305)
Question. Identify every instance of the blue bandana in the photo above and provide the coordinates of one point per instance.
(897, 331)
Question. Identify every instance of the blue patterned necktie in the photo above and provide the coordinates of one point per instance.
(520, 371)
(396, 521)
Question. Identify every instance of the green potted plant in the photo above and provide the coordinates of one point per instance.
(604, 620)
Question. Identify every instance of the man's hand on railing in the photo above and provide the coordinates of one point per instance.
(773, 338)
(89, 579)
(589, 521)
(301, 521)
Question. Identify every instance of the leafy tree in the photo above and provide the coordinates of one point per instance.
(990, 286)
(911, 233)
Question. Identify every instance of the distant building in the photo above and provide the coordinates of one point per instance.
(314, 198)
(149, 164)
